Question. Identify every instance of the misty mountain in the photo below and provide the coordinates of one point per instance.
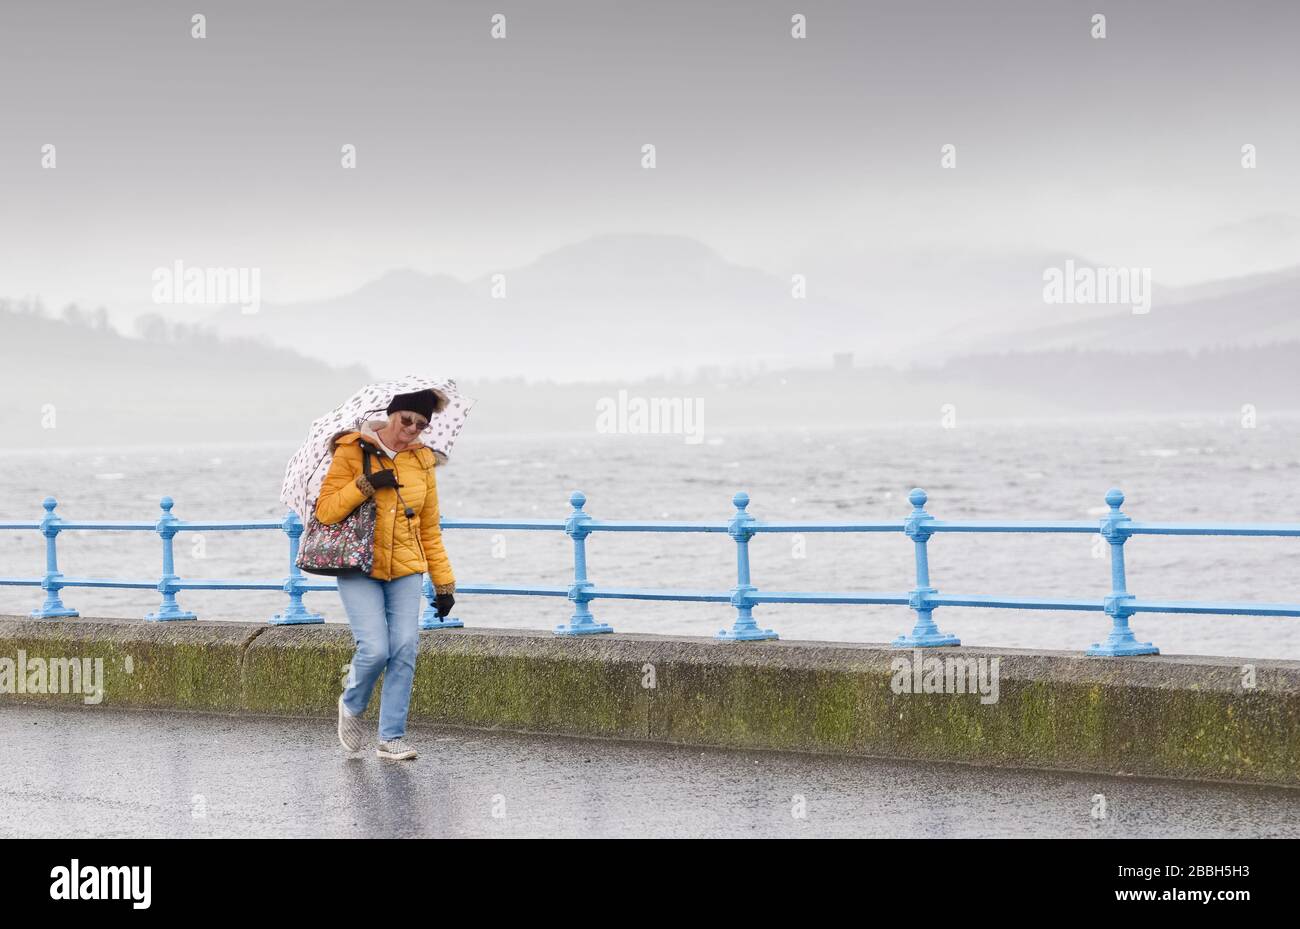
(631, 305)
(649, 305)
(1256, 310)
(932, 302)
(1269, 240)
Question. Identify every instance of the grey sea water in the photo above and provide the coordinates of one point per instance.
(1171, 470)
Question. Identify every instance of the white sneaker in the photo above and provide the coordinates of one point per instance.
(396, 749)
(352, 731)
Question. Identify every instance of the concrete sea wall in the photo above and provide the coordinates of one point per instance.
(1185, 717)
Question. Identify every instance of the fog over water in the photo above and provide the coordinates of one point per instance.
(863, 246)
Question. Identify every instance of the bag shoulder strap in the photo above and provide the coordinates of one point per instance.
(365, 456)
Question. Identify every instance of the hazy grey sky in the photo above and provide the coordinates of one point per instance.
(476, 154)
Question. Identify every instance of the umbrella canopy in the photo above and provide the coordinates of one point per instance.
(309, 465)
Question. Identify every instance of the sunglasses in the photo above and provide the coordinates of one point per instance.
(413, 421)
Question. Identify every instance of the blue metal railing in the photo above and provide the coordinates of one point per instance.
(1115, 527)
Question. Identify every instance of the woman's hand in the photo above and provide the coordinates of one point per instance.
(443, 603)
(383, 478)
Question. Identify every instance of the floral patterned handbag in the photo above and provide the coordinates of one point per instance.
(345, 547)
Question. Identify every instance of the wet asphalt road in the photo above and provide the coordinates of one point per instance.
(89, 772)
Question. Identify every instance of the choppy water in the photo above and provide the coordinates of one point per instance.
(1171, 471)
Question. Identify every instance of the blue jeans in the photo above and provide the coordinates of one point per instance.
(385, 621)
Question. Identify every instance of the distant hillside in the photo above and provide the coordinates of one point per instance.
(1059, 384)
(184, 385)
(648, 305)
(619, 304)
(1257, 310)
(1089, 381)
(938, 301)
(181, 384)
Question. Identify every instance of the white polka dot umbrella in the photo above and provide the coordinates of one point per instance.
(308, 466)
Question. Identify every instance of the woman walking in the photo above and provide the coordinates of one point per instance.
(383, 607)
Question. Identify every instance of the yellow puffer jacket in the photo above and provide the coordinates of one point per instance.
(400, 544)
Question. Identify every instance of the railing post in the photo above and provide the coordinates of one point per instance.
(925, 633)
(1121, 641)
(52, 583)
(582, 622)
(296, 613)
(744, 628)
(429, 618)
(169, 610)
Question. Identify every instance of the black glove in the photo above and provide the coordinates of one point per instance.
(443, 603)
(382, 478)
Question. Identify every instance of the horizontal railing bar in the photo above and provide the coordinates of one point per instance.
(650, 593)
(153, 585)
(621, 525)
(1223, 608)
(106, 582)
(1278, 529)
(825, 527)
(794, 596)
(452, 523)
(939, 525)
(636, 593)
(110, 526)
(1013, 603)
(185, 525)
(511, 590)
(178, 525)
(227, 585)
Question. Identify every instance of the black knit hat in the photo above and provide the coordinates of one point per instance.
(423, 402)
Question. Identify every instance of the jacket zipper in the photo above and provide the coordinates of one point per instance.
(392, 535)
